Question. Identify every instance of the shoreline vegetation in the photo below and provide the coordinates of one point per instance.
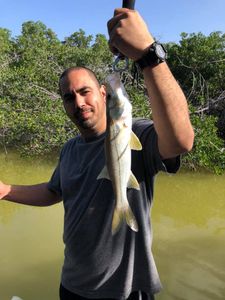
(32, 119)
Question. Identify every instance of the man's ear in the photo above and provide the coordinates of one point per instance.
(103, 92)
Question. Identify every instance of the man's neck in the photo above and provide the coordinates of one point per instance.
(88, 135)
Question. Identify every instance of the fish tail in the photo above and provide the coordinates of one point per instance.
(120, 215)
(130, 219)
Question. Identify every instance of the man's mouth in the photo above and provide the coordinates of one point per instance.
(83, 113)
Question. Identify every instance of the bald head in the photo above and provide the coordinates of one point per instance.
(65, 74)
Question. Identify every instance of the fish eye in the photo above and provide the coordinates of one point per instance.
(109, 97)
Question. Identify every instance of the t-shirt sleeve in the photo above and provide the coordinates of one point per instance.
(147, 135)
(54, 183)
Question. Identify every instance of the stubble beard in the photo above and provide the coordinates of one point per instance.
(83, 123)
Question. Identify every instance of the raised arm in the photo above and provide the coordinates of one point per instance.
(130, 36)
(36, 195)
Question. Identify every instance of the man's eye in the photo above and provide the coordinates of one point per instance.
(85, 92)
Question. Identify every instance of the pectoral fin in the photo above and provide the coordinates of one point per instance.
(104, 174)
(134, 142)
(133, 183)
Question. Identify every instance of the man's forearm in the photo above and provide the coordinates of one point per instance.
(36, 195)
(129, 35)
(170, 111)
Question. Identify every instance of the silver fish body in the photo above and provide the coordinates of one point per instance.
(118, 144)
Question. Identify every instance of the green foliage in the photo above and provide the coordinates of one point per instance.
(208, 151)
(199, 64)
(79, 40)
(33, 132)
(32, 117)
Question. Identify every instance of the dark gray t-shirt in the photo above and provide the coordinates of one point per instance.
(98, 264)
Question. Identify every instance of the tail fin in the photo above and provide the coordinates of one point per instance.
(120, 215)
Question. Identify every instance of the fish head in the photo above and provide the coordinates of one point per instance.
(115, 107)
(117, 102)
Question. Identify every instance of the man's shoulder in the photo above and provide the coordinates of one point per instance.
(141, 121)
(140, 124)
(69, 144)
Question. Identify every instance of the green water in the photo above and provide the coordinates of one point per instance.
(189, 236)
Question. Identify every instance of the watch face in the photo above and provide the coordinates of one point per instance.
(160, 52)
(155, 55)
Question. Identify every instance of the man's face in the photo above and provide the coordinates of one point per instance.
(84, 101)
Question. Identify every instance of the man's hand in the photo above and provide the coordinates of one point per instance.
(4, 190)
(128, 34)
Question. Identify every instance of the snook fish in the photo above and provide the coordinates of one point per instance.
(119, 141)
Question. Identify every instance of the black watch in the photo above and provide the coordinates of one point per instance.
(155, 54)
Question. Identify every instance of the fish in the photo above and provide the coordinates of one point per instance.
(119, 141)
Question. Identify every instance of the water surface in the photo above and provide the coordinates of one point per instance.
(189, 236)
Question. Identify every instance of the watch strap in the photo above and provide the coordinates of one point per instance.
(152, 57)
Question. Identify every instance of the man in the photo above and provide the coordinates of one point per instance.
(98, 264)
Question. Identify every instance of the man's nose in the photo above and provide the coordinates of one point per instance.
(79, 101)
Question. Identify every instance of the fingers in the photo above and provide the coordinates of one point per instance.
(113, 49)
(114, 28)
(128, 33)
(119, 13)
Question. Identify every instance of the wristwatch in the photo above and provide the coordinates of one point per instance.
(155, 54)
